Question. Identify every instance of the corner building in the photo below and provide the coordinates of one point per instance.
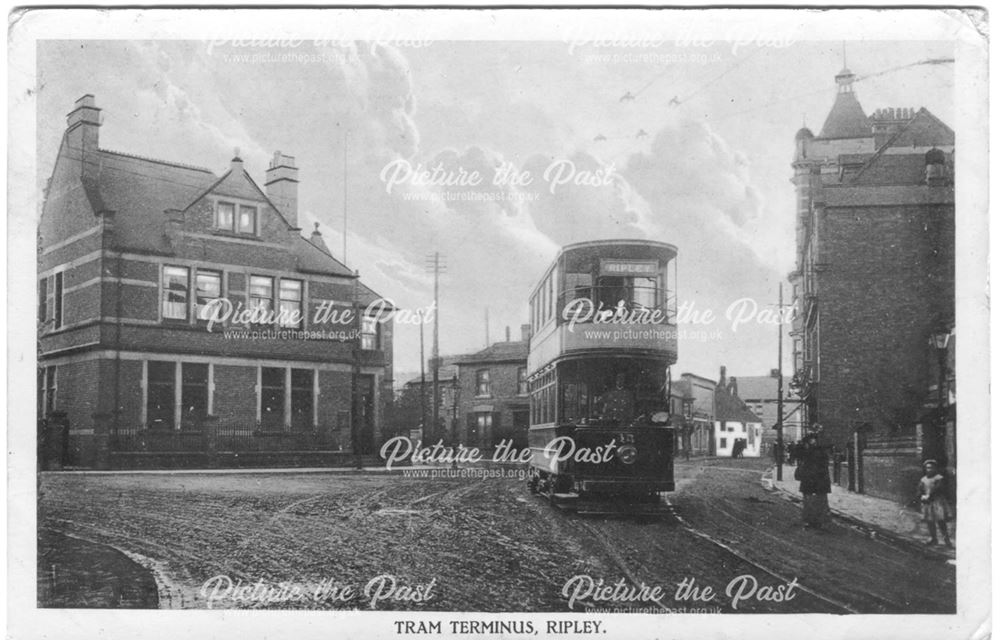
(874, 289)
(132, 251)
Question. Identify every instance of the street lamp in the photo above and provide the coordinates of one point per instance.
(939, 340)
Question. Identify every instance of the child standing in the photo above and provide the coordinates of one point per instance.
(934, 503)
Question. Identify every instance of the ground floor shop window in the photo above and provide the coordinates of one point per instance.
(302, 399)
(160, 389)
(194, 395)
(46, 391)
(272, 397)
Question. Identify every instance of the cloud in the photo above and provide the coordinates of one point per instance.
(581, 198)
(685, 185)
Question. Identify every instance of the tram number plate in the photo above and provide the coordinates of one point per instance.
(626, 438)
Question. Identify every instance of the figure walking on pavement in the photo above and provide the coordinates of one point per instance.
(814, 482)
(934, 503)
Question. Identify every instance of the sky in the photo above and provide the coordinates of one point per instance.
(675, 142)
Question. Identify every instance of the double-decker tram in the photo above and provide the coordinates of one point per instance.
(604, 335)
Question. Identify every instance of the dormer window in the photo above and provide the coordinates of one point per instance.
(237, 218)
(247, 222)
(225, 213)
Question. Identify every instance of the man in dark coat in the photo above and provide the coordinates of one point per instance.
(814, 482)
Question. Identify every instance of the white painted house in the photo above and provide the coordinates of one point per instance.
(735, 422)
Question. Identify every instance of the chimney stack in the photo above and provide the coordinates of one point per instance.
(83, 125)
(732, 386)
(236, 164)
(282, 186)
(722, 376)
(507, 334)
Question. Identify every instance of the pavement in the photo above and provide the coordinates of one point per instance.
(884, 518)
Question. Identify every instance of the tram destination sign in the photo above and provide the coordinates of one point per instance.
(614, 267)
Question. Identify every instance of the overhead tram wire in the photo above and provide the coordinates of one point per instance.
(929, 61)
(718, 77)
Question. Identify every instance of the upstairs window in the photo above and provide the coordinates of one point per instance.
(175, 293)
(208, 287)
(483, 382)
(522, 381)
(238, 218)
(57, 313)
(247, 222)
(369, 333)
(261, 294)
(225, 214)
(290, 303)
(43, 302)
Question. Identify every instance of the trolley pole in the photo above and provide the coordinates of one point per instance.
(780, 444)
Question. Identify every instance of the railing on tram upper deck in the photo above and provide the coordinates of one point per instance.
(607, 298)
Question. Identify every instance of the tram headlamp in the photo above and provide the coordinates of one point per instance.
(628, 453)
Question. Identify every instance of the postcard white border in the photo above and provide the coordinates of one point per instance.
(973, 618)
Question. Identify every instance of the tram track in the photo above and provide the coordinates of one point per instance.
(867, 593)
(842, 563)
(702, 535)
(601, 537)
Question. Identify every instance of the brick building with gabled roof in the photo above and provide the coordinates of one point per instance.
(132, 253)
(493, 393)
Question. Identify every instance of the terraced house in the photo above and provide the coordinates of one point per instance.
(132, 372)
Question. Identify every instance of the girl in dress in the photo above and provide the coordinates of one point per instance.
(934, 503)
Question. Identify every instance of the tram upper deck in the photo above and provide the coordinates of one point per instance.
(609, 297)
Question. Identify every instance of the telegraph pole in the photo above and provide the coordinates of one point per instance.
(435, 266)
(780, 458)
(344, 151)
(355, 373)
(423, 390)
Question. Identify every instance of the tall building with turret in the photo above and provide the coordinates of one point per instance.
(873, 289)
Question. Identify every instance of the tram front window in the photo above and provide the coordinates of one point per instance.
(610, 291)
(617, 404)
(593, 390)
(632, 292)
